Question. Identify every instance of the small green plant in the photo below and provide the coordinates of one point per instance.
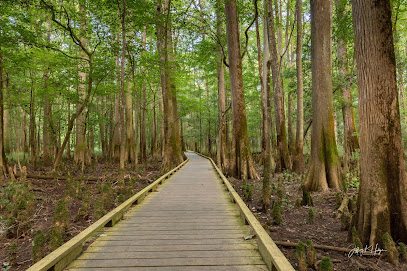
(300, 252)
(70, 187)
(306, 198)
(311, 254)
(298, 202)
(326, 264)
(38, 247)
(79, 190)
(108, 196)
(84, 210)
(55, 238)
(99, 210)
(121, 198)
(356, 239)
(276, 213)
(247, 189)
(403, 252)
(311, 216)
(60, 224)
(12, 254)
(18, 203)
(391, 252)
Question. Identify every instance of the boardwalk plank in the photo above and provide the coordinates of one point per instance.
(189, 224)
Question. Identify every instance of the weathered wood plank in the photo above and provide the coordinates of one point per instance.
(168, 254)
(98, 247)
(197, 242)
(181, 268)
(167, 262)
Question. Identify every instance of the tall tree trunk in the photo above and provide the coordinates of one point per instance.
(143, 136)
(32, 123)
(382, 202)
(3, 159)
(298, 164)
(6, 124)
(80, 150)
(172, 146)
(283, 158)
(241, 164)
(122, 96)
(46, 136)
(324, 171)
(266, 141)
(221, 150)
(351, 141)
(116, 117)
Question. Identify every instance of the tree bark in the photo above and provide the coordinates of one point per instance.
(298, 164)
(3, 159)
(81, 149)
(241, 164)
(47, 130)
(351, 140)
(324, 171)
(283, 157)
(143, 136)
(122, 91)
(382, 202)
(172, 146)
(221, 150)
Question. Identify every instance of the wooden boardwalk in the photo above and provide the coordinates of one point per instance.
(190, 223)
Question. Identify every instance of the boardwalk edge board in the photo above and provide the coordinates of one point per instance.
(68, 252)
(272, 255)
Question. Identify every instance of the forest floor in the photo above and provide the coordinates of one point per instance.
(325, 229)
(48, 192)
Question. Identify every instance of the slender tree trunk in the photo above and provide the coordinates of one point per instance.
(143, 136)
(241, 164)
(6, 117)
(298, 164)
(221, 150)
(283, 158)
(3, 159)
(351, 141)
(382, 202)
(172, 146)
(80, 150)
(324, 171)
(46, 136)
(122, 96)
(32, 123)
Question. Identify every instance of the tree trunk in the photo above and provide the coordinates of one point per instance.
(46, 136)
(382, 202)
(324, 171)
(122, 96)
(32, 123)
(241, 164)
(351, 141)
(298, 164)
(3, 159)
(143, 137)
(80, 150)
(172, 146)
(221, 151)
(283, 157)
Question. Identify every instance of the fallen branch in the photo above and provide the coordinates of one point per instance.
(340, 249)
(63, 178)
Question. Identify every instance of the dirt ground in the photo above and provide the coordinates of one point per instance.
(325, 230)
(47, 192)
